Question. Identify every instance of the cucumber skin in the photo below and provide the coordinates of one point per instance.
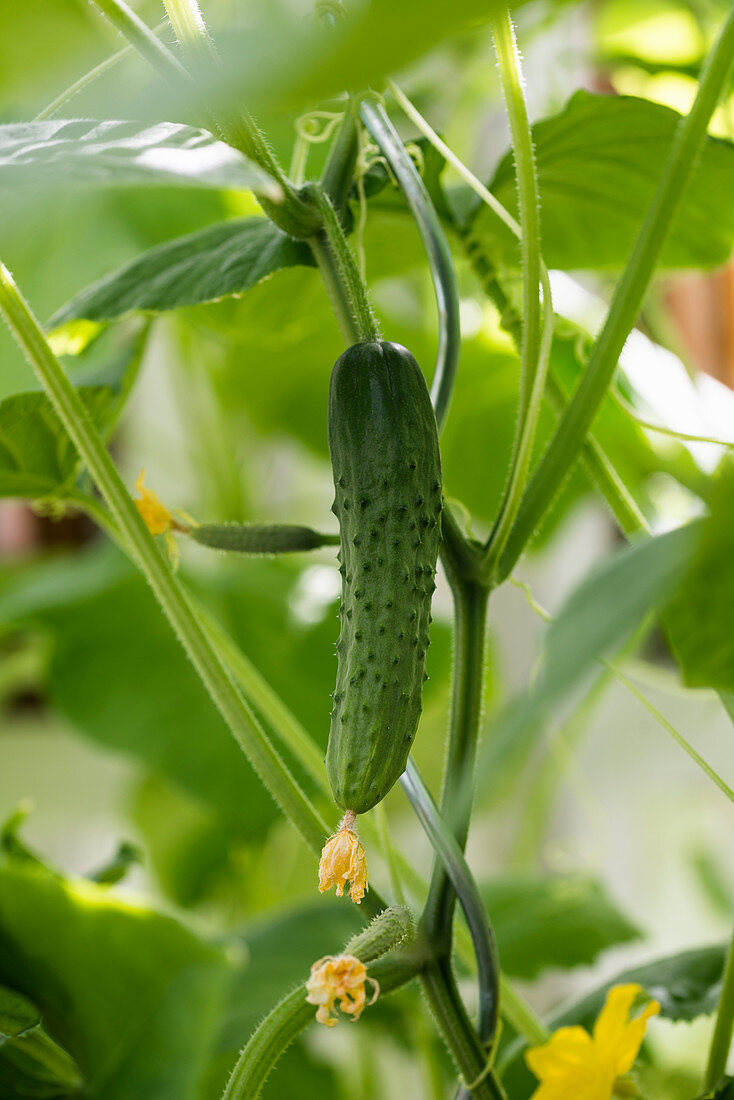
(383, 442)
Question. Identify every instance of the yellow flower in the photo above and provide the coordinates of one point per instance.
(343, 859)
(342, 978)
(588, 1067)
(159, 520)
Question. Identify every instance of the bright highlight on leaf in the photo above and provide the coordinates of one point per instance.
(343, 860)
(589, 1067)
(339, 978)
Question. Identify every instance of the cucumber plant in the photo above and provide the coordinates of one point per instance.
(383, 419)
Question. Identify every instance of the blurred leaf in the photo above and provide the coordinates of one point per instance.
(279, 62)
(119, 676)
(723, 1091)
(133, 995)
(685, 985)
(37, 458)
(224, 259)
(87, 153)
(596, 620)
(32, 1065)
(697, 619)
(599, 163)
(185, 840)
(552, 921)
(17, 1014)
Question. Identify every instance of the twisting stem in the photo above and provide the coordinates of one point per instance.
(447, 847)
(568, 439)
(470, 612)
(440, 261)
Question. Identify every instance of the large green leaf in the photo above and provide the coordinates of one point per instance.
(599, 163)
(37, 458)
(134, 996)
(224, 259)
(698, 618)
(89, 153)
(552, 921)
(597, 619)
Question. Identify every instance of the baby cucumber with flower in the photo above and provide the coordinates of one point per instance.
(383, 442)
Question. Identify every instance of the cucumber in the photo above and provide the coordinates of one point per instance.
(386, 464)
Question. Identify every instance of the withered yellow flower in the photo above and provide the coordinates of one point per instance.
(339, 978)
(343, 860)
(156, 516)
(159, 520)
(590, 1067)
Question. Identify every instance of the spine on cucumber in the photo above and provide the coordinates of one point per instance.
(385, 458)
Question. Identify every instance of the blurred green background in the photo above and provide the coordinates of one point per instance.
(606, 849)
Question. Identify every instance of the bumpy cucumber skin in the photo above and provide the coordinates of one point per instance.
(385, 459)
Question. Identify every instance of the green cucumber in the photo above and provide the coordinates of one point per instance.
(385, 459)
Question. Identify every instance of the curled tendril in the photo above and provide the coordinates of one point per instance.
(309, 126)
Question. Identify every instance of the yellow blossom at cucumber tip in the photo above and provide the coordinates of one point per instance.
(589, 1067)
(155, 515)
(339, 978)
(343, 860)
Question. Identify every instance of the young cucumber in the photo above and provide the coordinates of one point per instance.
(387, 475)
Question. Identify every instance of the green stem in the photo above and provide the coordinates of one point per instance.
(462, 1040)
(536, 341)
(470, 613)
(338, 174)
(723, 1028)
(440, 260)
(293, 1014)
(447, 848)
(212, 670)
(145, 41)
(630, 292)
(341, 274)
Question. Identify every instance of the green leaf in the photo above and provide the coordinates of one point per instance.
(17, 1014)
(37, 458)
(202, 267)
(132, 995)
(599, 162)
(89, 153)
(697, 618)
(596, 620)
(552, 921)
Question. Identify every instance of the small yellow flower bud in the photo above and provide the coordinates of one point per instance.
(343, 860)
(342, 978)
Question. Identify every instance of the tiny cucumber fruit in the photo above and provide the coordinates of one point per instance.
(254, 538)
(386, 464)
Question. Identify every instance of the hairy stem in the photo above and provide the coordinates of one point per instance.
(578, 417)
(341, 275)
